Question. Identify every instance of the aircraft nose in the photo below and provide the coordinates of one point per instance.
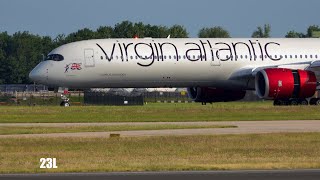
(38, 74)
(34, 75)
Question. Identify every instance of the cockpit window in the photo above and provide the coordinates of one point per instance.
(54, 57)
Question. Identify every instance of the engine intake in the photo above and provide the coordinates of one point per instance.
(208, 94)
(281, 83)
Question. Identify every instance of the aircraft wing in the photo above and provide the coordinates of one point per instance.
(247, 74)
(315, 67)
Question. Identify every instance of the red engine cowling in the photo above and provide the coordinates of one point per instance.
(281, 83)
(208, 94)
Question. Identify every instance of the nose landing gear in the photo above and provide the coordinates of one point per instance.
(65, 101)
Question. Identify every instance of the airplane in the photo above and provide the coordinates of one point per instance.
(214, 70)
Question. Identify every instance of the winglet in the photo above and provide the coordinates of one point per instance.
(168, 36)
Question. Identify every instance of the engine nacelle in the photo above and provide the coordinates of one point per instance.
(281, 83)
(207, 94)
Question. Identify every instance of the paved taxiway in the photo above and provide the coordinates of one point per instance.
(187, 175)
(243, 127)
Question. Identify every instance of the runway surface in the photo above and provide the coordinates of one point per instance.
(243, 127)
(187, 175)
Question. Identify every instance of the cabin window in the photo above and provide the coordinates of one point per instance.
(310, 56)
(55, 57)
(316, 56)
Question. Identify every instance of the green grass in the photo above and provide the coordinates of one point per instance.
(72, 129)
(219, 152)
(155, 112)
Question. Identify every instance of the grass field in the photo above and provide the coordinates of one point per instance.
(265, 151)
(155, 112)
(72, 129)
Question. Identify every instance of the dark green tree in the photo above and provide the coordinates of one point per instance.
(294, 34)
(19, 54)
(4, 45)
(214, 32)
(82, 34)
(177, 31)
(59, 40)
(139, 30)
(262, 32)
(311, 29)
(157, 31)
(24, 52)
(104, 32)
(123, 30)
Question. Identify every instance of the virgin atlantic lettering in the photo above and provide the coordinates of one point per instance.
(203, 50)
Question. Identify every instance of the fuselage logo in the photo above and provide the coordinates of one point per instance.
(72, 67)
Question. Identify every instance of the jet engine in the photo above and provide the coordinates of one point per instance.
(208, 94)
(281, 83)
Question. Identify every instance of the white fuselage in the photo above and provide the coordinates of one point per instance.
(170, 62)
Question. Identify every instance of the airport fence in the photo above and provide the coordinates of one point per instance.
(102, 98)
(89, 98)
(98, 98)
(38, 98)
(9, 88)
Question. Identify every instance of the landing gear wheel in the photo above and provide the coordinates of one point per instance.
(65, 104)
(304, 102)
(294, 102)
(276, 102)
(284, 102)
(315, 101)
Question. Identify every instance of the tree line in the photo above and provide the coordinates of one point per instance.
(22, 51)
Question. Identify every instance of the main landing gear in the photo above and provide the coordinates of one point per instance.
(296, 102)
